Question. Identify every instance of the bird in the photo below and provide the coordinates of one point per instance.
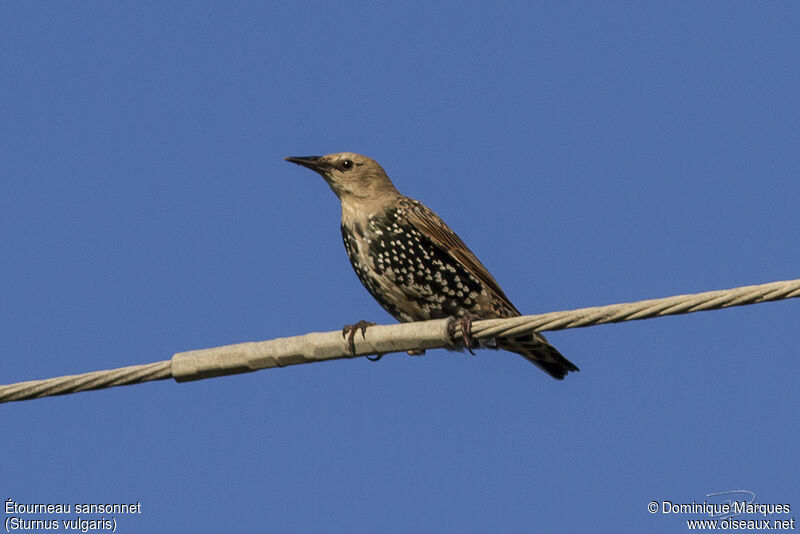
(413, 264)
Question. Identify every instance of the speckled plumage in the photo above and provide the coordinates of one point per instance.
(425, 283)
(414, 265)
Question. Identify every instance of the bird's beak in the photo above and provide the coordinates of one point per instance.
(314, 163)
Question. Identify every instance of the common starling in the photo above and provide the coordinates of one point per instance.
(414, 265)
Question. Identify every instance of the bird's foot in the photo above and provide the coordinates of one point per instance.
(465, 322)
(349, 332)
(414, 352)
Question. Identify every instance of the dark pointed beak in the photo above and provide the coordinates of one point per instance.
(312, 162)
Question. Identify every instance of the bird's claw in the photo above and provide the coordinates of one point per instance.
(349, 332)
(465, 322)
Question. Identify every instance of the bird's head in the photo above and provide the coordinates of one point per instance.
(352, 177)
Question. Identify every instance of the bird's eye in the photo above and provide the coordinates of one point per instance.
(347, 164)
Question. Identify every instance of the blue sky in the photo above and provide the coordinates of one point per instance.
(589, 153)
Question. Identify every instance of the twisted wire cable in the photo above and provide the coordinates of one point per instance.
(62, 385)
(631, 311)
(382, 339)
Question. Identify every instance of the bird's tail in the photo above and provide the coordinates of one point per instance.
(535, 348)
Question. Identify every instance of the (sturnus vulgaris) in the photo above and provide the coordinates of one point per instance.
(414, 265)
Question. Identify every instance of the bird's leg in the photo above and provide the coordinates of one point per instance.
(349, 332)
(465, 322)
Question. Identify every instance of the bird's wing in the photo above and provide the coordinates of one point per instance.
(432, 226)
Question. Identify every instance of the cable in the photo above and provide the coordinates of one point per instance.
(382, 339)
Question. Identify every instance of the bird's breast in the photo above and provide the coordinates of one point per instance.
(409, 275)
